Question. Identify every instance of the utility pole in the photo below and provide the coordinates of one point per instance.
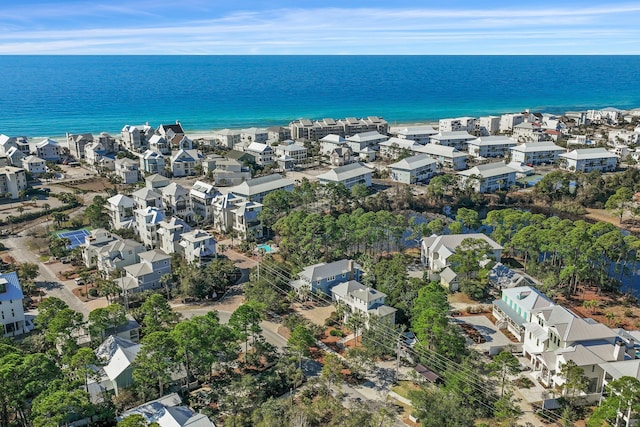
(398, 357)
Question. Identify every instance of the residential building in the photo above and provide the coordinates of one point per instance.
(185, 163)
(608, 116)
(172, 133)
(169, 412)
(177, 202)
(458, 139)
(109, 252)
(278, 133)
(324, 276)
(349, 175)
(330, 143)
(49, 150)
(436, 250)
(135, 138)
(147, 198)
(12, 319)
(147, 223)
(365, 300)
(396, 147)
(116, 356)
(515, 308)
(202, 196)
(414, 169)
(225, 172)
(420, 134)
(156, 182)
(223, 206)
(152, 162)
(461, 124)
(199, 247)
(624, 136)
(528, 132)
(490, 146)
(146, 274)
(245, 220)
(316, 130)
(536, 153)
(108, 142)
(227, 138)
(488, 125)
(361, 141)
(255, 189)
(247, 136)
(447, 157)
(170, 233)
(297, 153)
(12, 181)
(21, 143)
(159, 145)
(76, 143)
(589, 159)
(509, 121)
(262, 153)
(128, 170)
(14, 157)
(97, 156)
(120, 210)
(488, 177)
(34, 165)
(340, 156)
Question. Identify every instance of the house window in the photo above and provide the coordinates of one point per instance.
(331, 278)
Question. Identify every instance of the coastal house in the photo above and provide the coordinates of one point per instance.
(420, 134)
(152, 162)
(457, 139)
(256, 189)
(297, 153)
(262, 153)
(536, 153)
(260, 135)
(147, 198)
(515, 308)
(100, 158)
(365, 300)
(34, 165)
(488, 177)
(116, 356)
(278, 133)
(361, 141)
(340, 156)
(330, 142)
(529, 132)
(447, 157)
(245, 220)
(325, 276)
(225, 172)
(490, 146)
(156, 182)
(414, 169)
(12, 319)
(199, 247)
(146, 274)
(396, 147)
(177, 202)
(436, 250)
(349, 175)
(21, 143)
(108, 142)
(147, 222)
(460, 124)
(173, 133)
(168, 411)
(135, 138)
(12, 181)
(159, 145)
(77, 143)
(624, 136)
(588, 159)
(185, 162)
(170, 234)
(120, 210)
(128, 170)
(109, 252)
(14, 157)
(227, 138)
(49, 150)
(202, 196)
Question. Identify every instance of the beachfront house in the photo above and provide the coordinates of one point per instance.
(199, 247)
(363, 299)
(256, 189)
(135, 138)
(173, 133)
(588, 159)
(515, 308)
(419, 134)
(447, 157)
(120, 210)
(509, 121)
(488, 177)
(128, 170)
(490, 146)
(21, 143)
(14, 157)
(436, 250)
(34, 165)
(324, 276)
(227, 138)
(278, 133)
(349, 175)
(177, 202)
(146, 274)
(260, 135)
(185, 163)
(536, 153)
(49, 150)
(456, 139)
(12, 181)
(97, 156)
(77, 143)
(12, 319)
(414, 169)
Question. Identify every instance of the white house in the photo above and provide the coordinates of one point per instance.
(420, 134)
(349, 175)
(173, 133)
(202, 196)
(365, 300)
(489, 125)
(488, 177)
(535, 153)
(490, 146)
(298, 153)
(460, 124)
(515, 308)
(120, 210)
(97, 156)
(245, 220)
(12, 181)
(589, 159)
(330, 143)
(146, 274)
(146, 197)
(257, 188)
(14, 157)
(152, 162)
(227, 137)
(199, 247)
(49, 150)
(109, 252)
(136, 138)
(225, 172)
(509, 121)
(170, 233)
(177, 202)
(447, 157)
(12, 317)
(159, 145)
(21, 143)
(414, 169)
(77, 143)
(262, 153)
(34, 165)
(168, 411)
(458, 139)
(324, 276)
(528, 132)
(185, 162)
(156, 182)
(360, 141)
(147, 224)
(247, 136)
(436, 250)
(394, 147)
(128, 170)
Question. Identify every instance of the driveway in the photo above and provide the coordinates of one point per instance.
(495, 339)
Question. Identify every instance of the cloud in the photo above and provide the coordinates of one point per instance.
(331, 30)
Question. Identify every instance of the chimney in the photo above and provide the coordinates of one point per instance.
(618, 351)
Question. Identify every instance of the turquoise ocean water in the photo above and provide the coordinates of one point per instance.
(51, 95)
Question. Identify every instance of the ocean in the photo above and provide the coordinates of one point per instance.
(51, 95)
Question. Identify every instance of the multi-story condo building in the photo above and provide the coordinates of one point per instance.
(461, 124)
(490, 146)
(488, 177)
(535, 153)
(257, 188)
(420, 134)
(456, 139)
(588, 159)
(348, 175)
(447, 157)
(315, 130)
(414, 169)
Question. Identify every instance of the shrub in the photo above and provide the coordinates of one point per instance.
(93, 292)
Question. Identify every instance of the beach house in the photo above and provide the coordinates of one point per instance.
(146, 274)
(34, 165)
(77, 143)
(420, 134)
(226, 137)
(147, 222)
(488, 125)
(109, 252)
(262, 153)
(120, 210)
(324, 276)
(12, 319)
(202, 196)
(488, 177)
(199, 247)
(49, 150)
(177, 202)
(225, 172)
(135, 138)
(185, 162)
(21, 143)
(396, 147)
(170, 233)
(588, 159)
(363, 299)
(457, 139)
(436, 250)
(509, 121)
(152, 162)
(247, 136)
(515, 308)
(159, 145)
(173, 133)
(128, 170)
(361, 141)
(414, 169)
(447, 157)
(460, 124)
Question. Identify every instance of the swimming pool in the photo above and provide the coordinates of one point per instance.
(266, 248)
